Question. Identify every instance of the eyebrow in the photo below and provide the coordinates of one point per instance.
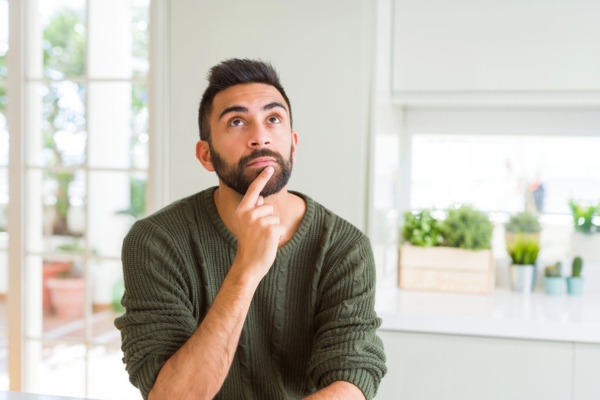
(241, 109)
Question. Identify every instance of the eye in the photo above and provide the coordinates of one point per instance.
(236, 122)
(274, 119)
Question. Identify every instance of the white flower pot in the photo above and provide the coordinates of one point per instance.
(522, 278)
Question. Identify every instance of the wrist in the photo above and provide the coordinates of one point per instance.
(244, 275)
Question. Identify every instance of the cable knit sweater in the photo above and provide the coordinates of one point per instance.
(311, 321)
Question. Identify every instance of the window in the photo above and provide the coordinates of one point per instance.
(507, 173)
(499, 160)
(86, 150)
(3, 193)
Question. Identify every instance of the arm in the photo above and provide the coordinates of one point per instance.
(346, 345)
(338, 390)
(198, 369)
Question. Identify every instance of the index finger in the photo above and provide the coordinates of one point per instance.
(253, 192)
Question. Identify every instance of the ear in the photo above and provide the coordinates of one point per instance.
(294, 145)
(203, 155)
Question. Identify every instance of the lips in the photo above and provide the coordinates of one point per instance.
(262, 162)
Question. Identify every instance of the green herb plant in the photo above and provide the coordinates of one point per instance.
(467, 228)
(526, 222)
(583, 216)
(421, 229)
(524, 252)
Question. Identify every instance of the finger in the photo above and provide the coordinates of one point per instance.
(251, 196)
(260, 201)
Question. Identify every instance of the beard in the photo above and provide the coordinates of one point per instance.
(239, 177)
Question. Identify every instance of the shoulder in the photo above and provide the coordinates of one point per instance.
(173, 220)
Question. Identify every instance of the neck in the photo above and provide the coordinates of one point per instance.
(287, 206)
(227, 201)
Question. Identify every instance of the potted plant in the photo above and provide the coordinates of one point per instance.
(67, 292)
(585, 239)
(526, 224)
(575, 281)
(51, 269)
(421, 229)
(523, 254)
(554, 282)
(452, 254)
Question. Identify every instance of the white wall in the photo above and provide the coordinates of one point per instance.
(321, 50)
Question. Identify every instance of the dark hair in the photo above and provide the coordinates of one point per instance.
(233, 72)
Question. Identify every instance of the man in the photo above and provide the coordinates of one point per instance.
(248, 290)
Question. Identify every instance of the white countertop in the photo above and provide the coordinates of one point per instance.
(503, 314)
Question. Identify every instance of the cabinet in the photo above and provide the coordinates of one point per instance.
(491, 46)
(425, 366)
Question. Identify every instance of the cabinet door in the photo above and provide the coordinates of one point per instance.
(586, 384)
(446, 367)
(488, 45)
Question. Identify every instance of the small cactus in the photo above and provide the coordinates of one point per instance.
(577, 265)
(554, 271)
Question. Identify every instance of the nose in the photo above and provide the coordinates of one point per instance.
(259, 137)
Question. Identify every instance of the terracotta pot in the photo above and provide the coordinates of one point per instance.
(51, 269)
(67, 296)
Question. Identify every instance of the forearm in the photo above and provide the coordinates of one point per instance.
(338, 390)
(199, 368)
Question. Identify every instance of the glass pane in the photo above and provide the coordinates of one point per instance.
(3, 274)
(56, 204)
(56, 368)
(4, 143)
(107, 290)
(125, 43)
(57, 128)
(112, 212)
(120, 141)
(63, 38)
(3, 39)
(55, 298)
(106, 365)
(140, 16)
(110, 138)
(64, 200)
(3, 199)
(4, 382)
(139, 127)
(504, 173)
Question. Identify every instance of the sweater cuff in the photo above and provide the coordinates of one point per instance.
(146, 375)
(361, 378)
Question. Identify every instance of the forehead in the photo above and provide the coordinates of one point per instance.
(248, 94)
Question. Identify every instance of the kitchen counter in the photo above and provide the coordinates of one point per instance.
(503, 314)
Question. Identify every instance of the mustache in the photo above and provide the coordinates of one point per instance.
(245, 160)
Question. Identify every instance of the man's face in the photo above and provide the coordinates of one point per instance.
(250, 130)
(239, 176)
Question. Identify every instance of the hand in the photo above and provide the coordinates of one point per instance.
(259, 231)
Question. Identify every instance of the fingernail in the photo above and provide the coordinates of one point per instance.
(269, 169)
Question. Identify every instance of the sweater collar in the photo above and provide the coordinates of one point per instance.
(207, 198)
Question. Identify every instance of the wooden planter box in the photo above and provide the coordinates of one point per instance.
(446, 269)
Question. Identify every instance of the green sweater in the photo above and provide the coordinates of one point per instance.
(311, 321)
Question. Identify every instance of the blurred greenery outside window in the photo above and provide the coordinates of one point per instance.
(64, 120)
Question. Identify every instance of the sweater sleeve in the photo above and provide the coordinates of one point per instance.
(346, 346)
(159, 315)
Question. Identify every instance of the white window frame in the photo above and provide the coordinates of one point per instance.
(20, 12)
